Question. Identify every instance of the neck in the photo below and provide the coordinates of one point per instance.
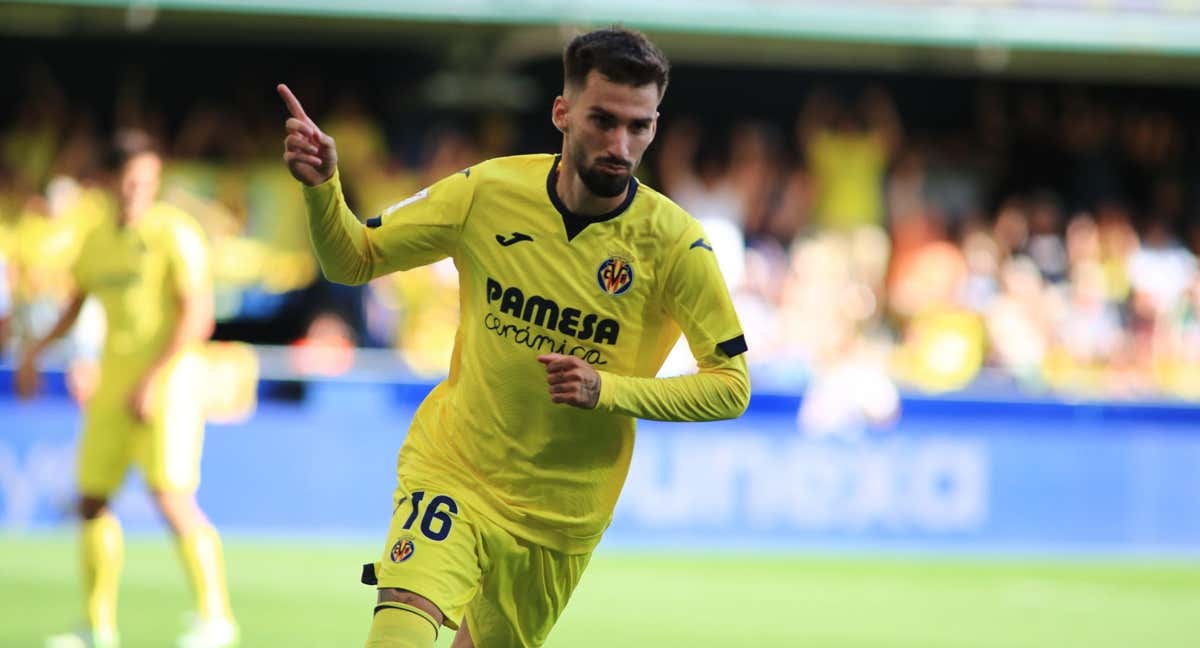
(130, 217)
(576, 196)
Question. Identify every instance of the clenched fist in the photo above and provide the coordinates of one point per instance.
(572, 381)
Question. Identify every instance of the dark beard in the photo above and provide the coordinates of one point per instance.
(603, 184)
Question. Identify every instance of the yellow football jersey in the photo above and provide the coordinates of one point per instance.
(614, 290)
(139, 274)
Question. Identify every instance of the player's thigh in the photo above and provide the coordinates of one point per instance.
(525, 589)
(105, 450)
(170, 443)
(431, 550)
(462, 638)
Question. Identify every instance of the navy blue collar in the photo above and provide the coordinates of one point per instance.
(575, 223)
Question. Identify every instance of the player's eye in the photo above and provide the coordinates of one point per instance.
(638, 127)
(604, 121)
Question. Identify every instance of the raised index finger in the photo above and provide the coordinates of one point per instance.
(292, 102)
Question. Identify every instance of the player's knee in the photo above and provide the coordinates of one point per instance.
(91, 507)
(179, 510)
(462, 638)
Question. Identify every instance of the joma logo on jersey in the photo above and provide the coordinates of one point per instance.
(542, 311)
(615, 275)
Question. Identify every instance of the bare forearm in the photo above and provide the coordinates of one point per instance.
(713, 394)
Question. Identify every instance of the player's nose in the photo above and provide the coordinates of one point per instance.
(618, 144)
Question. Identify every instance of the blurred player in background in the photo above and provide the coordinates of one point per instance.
(564, 260)
(149, 268)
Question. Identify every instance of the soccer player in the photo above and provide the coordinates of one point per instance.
(575, 280)
(149, 269)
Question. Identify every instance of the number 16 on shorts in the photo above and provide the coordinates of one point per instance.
(429, 515)
(432, 549)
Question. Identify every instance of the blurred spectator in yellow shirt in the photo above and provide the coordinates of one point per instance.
(848, 151)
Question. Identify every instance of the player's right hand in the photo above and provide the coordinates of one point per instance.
(310, 154)
(29, 382)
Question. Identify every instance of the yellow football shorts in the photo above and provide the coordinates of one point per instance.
(509, 590)
(165, 448)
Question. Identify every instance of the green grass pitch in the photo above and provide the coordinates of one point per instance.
(298, 592)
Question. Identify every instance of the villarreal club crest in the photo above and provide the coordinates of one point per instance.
(615, 275)
(403, 549)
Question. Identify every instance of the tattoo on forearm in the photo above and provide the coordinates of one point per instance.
(590, 389)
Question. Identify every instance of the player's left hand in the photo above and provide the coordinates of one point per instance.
(28, 381)
(141, 400)
(572, 381)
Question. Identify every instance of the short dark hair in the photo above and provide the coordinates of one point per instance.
(128, 143)
(623, 55)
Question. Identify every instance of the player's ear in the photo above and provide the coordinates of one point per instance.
(558, 113)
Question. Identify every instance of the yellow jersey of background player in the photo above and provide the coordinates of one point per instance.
(148, 265)
(572, 275)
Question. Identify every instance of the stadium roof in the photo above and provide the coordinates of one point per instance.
(1158, 38)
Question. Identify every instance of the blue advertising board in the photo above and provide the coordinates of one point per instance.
(948, 475)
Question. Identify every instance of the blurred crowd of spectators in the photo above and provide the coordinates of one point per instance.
(1050, 245)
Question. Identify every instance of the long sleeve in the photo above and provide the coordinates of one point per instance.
(695, 295)
(715, 393)
(416, 231)
(338, 238)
